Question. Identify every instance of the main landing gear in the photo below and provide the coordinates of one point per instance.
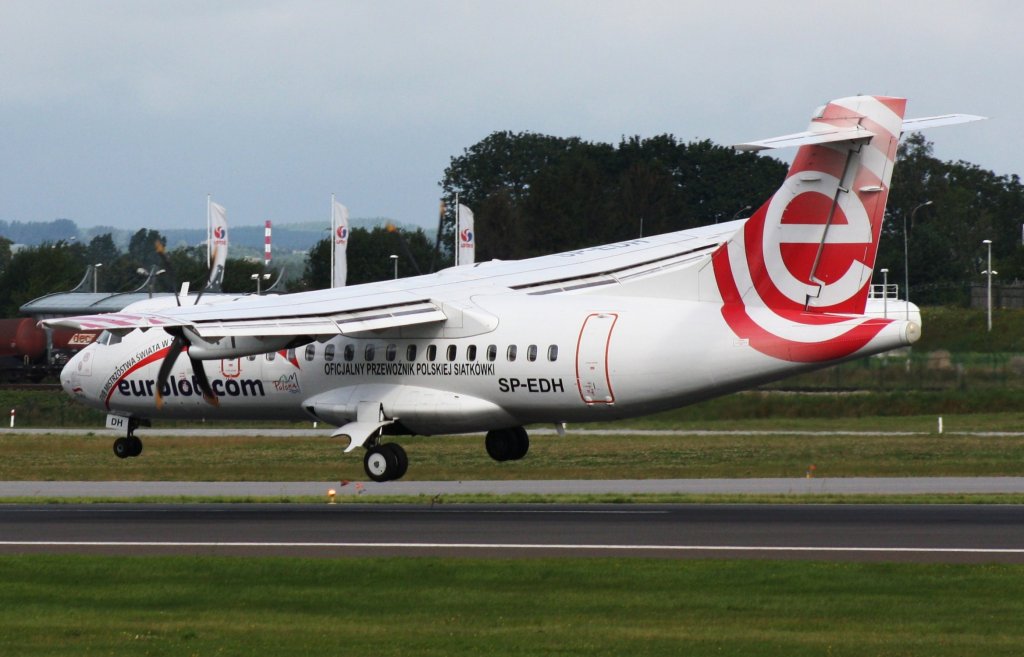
(385, 462)
(507, 444)
(129, 445)
(388, 461)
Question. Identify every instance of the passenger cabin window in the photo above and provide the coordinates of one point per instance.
(553, 353)
(369, 353)
(349, 353)
(492, 352)
(271, 355)
(290, 354)
(431, 352)
(471, 353)
(310, 351)
(510, 353)
(452, 350)
(391, 352)
(251, 357)
(410, 353)
(531, 353)
(329, 353)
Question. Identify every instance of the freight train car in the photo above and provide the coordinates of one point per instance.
(29, 353)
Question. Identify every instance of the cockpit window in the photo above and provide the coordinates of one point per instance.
(108, 338)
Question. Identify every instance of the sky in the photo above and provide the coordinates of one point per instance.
(128, 113)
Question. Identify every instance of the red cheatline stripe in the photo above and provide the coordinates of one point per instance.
(142, 363)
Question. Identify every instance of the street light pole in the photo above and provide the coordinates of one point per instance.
(989, 273)
(259, 279)
(885, 293)
(96, 277)
(906, 258)
(394, 259)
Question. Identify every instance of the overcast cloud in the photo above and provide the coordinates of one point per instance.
(127, 113)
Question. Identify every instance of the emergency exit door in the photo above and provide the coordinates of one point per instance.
(592, 375)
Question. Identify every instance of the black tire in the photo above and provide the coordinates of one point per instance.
(520, 444)
(401, 457)
(123, 447)
(380, 463)
(136, 445)
(500, 444)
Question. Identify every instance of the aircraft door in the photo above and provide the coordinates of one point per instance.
(592, 376)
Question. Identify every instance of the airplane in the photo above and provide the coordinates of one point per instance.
(594, 334)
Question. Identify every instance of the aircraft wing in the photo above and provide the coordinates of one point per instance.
(420, 299)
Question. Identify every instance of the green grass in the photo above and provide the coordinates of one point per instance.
(53, 605)
(975, 384)
(256, 458)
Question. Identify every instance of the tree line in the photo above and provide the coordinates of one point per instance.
(59, 266)
(535, 194)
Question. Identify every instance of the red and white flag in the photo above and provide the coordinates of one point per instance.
(339, 243)
(466, 253)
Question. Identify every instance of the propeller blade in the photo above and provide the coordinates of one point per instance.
(209, 272)
(161, 250)
(204, 383)
(177, 346)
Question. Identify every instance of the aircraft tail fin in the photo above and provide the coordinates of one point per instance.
(811, 247)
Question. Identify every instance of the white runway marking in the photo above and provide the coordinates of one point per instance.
(514, 546)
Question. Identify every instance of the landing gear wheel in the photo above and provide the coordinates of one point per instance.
(521, 442)
(123, 447)
(403, 459)
(507, 444)
(136, 445)
(385, 462)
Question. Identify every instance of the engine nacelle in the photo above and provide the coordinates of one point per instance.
(235, 347)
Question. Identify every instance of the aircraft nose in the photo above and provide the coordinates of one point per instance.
(68, 374)
(77, 374)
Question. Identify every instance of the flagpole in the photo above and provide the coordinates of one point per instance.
(208, 230)
(333, 244)
(456, 258)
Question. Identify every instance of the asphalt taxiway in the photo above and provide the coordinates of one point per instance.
(291, 489)
(926, 533)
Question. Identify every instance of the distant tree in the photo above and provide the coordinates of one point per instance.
(317, 274)
(39, 270)
(102, 249)
(534, 194)
(5, 254)
(238, 275)
(142, 247)
(35, 233)
(944, 239)
(369, 257)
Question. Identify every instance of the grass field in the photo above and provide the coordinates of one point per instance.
(741, 454)
(222, 606)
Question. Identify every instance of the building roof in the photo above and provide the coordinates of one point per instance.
(61, 304)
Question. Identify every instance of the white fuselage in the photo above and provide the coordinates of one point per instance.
(517, 359)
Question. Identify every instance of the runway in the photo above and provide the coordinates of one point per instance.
(291, 489)
(905, 533)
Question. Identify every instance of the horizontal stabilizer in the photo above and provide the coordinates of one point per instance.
(913, 125)
(809, 138)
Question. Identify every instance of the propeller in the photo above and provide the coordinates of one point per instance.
(161, 251)
(391, 228)
(181, 342)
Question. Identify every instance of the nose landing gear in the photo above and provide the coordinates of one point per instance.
(129, 445)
